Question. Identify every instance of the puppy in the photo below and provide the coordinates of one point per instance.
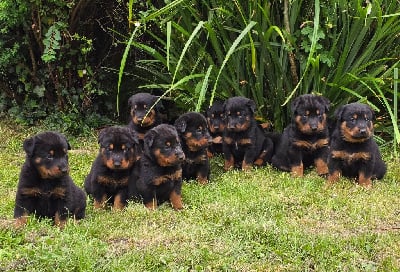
(45, 187)
(354, 153)
(107, 181)
(195, 138)
(304, 142)
(159, 178)
(244, 143)
(142, 118)
(215, 116)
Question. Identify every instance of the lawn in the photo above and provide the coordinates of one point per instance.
(263, 220)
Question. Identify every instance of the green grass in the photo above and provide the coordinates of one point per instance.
(258, 221)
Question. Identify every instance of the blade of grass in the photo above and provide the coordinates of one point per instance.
(395, 96)
(123, 62)
(203, 89)
(185, 48)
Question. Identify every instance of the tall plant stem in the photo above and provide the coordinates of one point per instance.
(292, 58)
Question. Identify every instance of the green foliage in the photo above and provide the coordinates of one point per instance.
(323, 47)
(51, 43)
(49, 68)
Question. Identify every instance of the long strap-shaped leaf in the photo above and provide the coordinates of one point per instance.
(230, 52)
(123, 62)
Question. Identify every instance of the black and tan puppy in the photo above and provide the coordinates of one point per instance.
(354, 153)
(304, 142)
(159, 178)
(195, 138)
(45, 187)
(144, 114)
(244, 142)
(107, 181)
(215, 116)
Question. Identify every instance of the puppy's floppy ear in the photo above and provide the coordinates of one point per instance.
(131, 101)
(149, 138)
(224, 106)
(102, 134)
(295, 104)
(181, 124)
(325, 101)
(133, 136)
(29, 146)
(66, 140)
(339, 112)
(252, 105)
(371, 112)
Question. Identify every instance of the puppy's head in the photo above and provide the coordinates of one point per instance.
(215, 116)
(118, 147)
(140, 105)
(355, 122)
(48, 152)
(163, 146)
(192, 128)
(310, 113)
(239, 112)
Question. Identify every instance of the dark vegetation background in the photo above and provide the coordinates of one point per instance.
(60, 61)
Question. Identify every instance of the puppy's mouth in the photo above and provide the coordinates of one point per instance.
(357, 138)
(52, 173)
(196, 145)
(237, 128)
(143, 122)
(355, 135)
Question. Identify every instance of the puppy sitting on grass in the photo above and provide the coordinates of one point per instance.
(195, 138)
(107, 181)
(45, 188)
(244, 142)
(304, 142)
(354, 152)
(159, 178)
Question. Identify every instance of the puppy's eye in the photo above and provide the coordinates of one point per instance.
(144, 106)
(50, 156)
(212, 115)
(135, 107)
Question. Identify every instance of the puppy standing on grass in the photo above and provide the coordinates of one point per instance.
(142, 118)
(215, 116)
(305, 141)
(45, 187)
(195, 138)
(159, 178)
(107, 181)
(354, 153)
(244, 142)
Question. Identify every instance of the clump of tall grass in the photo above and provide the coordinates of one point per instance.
(272, 51)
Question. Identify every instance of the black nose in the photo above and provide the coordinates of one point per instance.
(181, 156)
(117, 163)
(64, 169)
(363, 131)
(231, 126)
